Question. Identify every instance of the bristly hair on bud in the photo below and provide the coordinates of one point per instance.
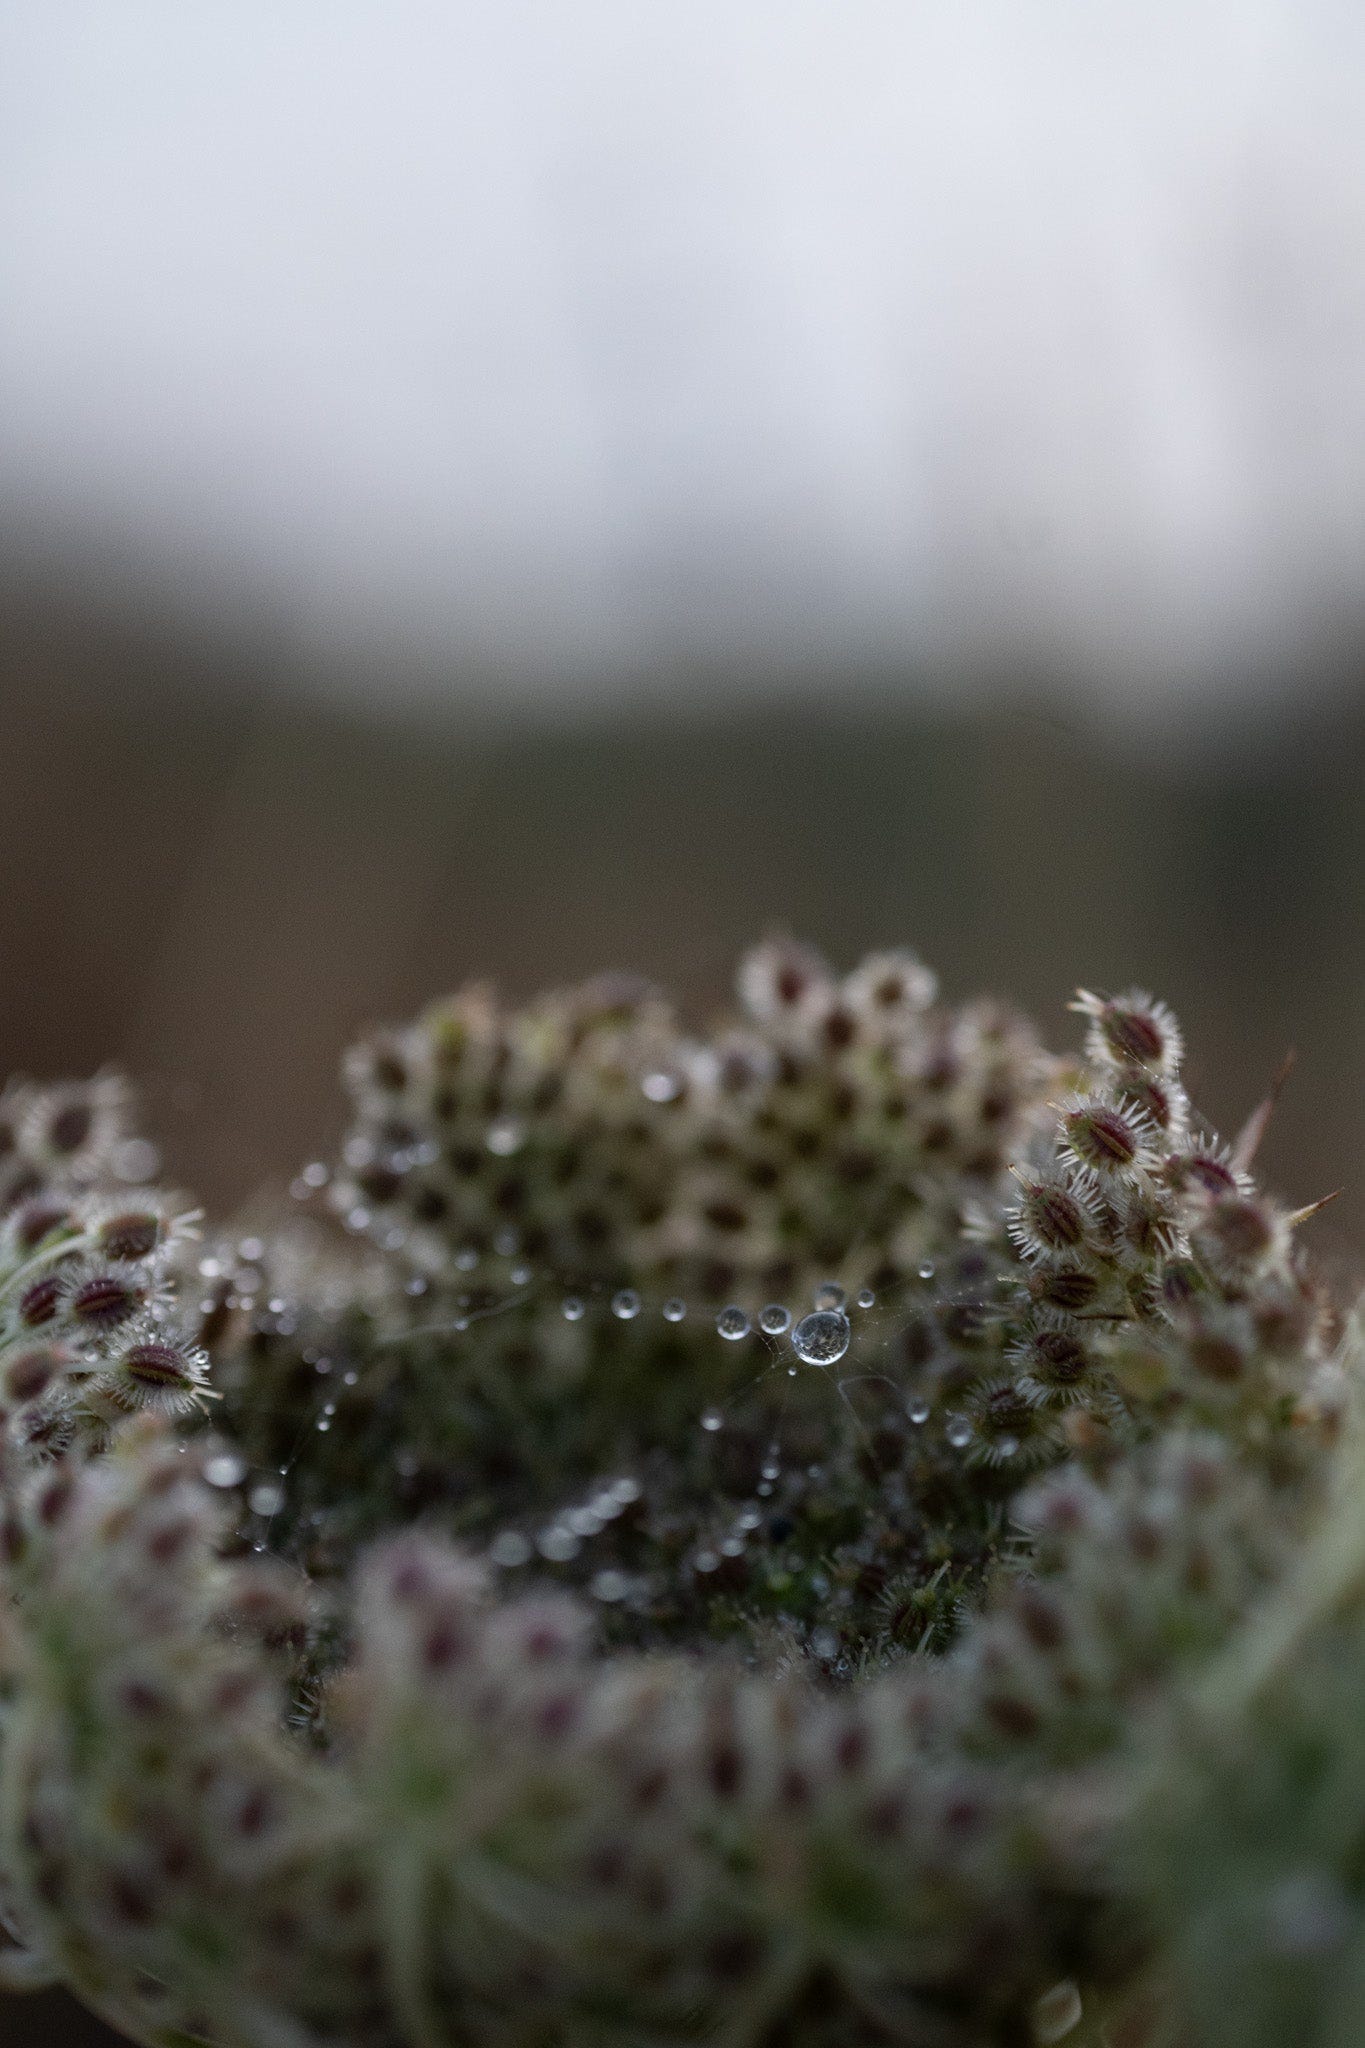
(102, 1295)
(154, 1366)
(1054, 1362)
(1131, 1030)
(72, 1131)
(136, 1229)
(782, 979)
(1054, 1217)
(1108, 1139)
(891, 986)
(33, 1223)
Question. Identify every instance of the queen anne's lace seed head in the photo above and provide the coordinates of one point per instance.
(1131, 1032)
(506, 1653)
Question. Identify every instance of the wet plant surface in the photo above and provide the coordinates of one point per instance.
(675, 1535)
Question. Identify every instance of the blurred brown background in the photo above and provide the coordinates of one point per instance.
(214, 879)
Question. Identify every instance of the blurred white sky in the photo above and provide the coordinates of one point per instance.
(564, 332)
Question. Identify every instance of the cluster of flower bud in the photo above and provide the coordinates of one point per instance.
(1140, 1264)
(1131, 1573)
(828, 1128)
(88, 1329)
(834, 1752)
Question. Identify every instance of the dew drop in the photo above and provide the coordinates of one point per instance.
(466, 1259)
(315, 1174)
(661, 1087)
(625, 1305)
(520, 1276)
(830, 1295)
(821, 1338)
(917, 1408)
(775, 1320)
(225, 1470)
(674, 1310)
(266, 1499)
(571, 1308)
(557, 1545)
(510, 1549)
(711, 1419)
(1056, 2013)
(610, 1585)
(958, 1432)
(504, 1136)
(866, 1298)
(926, 1272)
(732, 1324)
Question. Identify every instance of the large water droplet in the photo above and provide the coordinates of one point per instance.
(625, 1304)
(821, 1338)
(732, 1324)
(225, 1470)
(1056, 2013)
(775, 1320)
